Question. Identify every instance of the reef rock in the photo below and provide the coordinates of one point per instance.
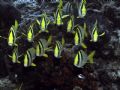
(8, 13)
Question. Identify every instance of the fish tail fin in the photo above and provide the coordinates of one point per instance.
(90, 57)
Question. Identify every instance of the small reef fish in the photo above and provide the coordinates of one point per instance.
(58, 17)
(81, 58)
(70, 24)
(94, 34)
(58, 49)
(12, 37)
(15, 56)
(79, 36)
(82, 9)
(29, 56)
(30, 34)
(43, 23)
(68, 8)
(41, 47)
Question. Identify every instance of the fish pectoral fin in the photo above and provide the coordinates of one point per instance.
(83, 45)
(45, 55)
(16, 45)
(90, 57)
(78, 17)
(33, 64)
(18, 62)
(39, 32)
(76, 26)
(102, 34)
(10, 56)
(38, 22)
(91, 40)
(46, 31)
(64, 16)
(3, 37)
(49, 49)
(73, 32)
(59, 56)
(18, 37)
(20, 55)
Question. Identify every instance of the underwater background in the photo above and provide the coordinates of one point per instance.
(59, 45)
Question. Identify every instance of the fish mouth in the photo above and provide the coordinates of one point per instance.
(30, 40)
(10, 44)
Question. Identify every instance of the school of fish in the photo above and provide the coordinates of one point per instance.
(42, 45)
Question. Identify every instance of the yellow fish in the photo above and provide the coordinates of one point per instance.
(82, 9)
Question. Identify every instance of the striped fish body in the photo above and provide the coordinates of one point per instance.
(94, 35)
(43, 24)
(58, 17)
(79, 36)
(29, 57)
(70, 24)
(30, 34)
(40, 47)
(68, 8)
(15, 56)
(80, 59)
(82, 9)
(11, 37)
(58, 49)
